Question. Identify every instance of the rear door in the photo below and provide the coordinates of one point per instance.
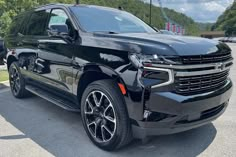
(28, 43)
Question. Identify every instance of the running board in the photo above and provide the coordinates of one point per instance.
(67, 105)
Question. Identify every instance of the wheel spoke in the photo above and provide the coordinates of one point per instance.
(95, 99)
(110, 119)
(17, 87)
(101, 98)
(90, 106)
(106, 109)
(102, 132)
(95, 128)
(108, 130)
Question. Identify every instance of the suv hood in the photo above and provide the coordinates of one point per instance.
(161, 44)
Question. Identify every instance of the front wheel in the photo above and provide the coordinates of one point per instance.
(104, 115)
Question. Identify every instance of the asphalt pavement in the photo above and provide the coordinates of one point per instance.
(33, 127)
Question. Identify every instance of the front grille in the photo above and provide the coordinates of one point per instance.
(203, 83)
(203, 59)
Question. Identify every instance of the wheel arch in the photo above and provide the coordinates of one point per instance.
(91, 73)
(10, 60)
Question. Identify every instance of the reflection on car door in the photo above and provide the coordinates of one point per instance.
(54, 61)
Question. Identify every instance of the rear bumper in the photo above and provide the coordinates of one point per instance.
(181, 113)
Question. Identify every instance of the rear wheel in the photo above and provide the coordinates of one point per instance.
(104, 115)
(17, 82)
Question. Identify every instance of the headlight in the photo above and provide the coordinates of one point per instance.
(153, 76)
(140, 60)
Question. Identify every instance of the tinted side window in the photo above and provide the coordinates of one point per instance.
(60, 21)
(58, 17)
(37, 23)
(24, 23)
(15, 25)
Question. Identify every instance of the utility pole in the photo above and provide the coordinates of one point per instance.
(150, 14)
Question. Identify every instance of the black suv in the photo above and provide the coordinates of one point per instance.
(127, 80)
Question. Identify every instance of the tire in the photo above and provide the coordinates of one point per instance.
(111, 117)
(17, 82)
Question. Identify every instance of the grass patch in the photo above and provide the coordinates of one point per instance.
(4, 75)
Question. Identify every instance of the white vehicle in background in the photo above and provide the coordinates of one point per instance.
(226, 39)
(218, 39)
(233, 40)
(230, 39)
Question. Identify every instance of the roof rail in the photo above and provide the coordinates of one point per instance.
(46, 5)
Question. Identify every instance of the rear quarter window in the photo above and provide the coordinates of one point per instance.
(37, 23)
(14, 29)
(19, 24)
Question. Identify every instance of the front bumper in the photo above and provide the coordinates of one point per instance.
(182, 113)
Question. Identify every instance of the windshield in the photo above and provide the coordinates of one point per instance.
(98, 19)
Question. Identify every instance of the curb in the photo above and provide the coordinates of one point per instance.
(4, 84)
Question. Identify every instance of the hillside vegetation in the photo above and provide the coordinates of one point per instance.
(227, 19)
(10, 8)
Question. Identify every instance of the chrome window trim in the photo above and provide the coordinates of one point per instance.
(170, 73)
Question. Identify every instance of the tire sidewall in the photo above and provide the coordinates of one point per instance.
(116, 102)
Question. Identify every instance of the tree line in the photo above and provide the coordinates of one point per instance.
(10, 8)
(227, 21)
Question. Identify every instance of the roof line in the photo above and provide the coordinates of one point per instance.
(45, 5)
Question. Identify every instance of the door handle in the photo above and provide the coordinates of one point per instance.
(75, 64)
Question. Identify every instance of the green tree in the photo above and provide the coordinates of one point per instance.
(10, 8)
(227, 21)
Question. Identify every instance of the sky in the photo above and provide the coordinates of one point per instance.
(199, 10)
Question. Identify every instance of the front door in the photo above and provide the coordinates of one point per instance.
(54, 61)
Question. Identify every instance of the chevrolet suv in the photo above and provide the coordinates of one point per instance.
(125, 78)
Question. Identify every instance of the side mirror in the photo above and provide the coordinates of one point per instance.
(60, 31)
(2, 52)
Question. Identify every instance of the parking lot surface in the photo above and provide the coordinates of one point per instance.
(35, 127)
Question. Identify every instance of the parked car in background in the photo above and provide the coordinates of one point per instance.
(218, 39)
(233, 40)
(126, 79)
(230, 39)
(2, 51)
(227, 39)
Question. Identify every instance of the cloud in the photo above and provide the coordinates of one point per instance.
(199, 10)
